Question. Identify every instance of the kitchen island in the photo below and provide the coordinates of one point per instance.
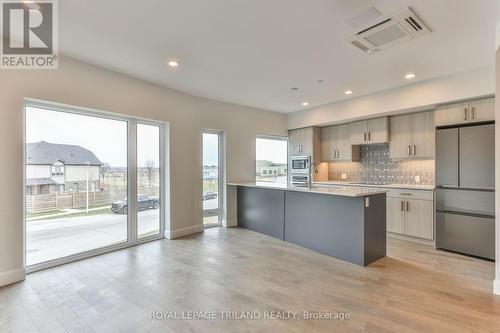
(345, 222)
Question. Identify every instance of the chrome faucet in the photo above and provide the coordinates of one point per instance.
(313, 170)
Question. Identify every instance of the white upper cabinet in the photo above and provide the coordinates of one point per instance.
(305, 141)
(412, 136)
(467, 112)
(336, 144)
(370, 131)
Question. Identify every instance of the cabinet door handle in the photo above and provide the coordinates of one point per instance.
(369, 136)
(402, 205)
(338, 153)
(407, 205)
(465, 113)
(472, 112)
(409, 150)
(365, 136)
(414, 149)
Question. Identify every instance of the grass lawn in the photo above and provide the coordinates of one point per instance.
(101, 211)
(106, 205)
(42, 214)
(81, 212)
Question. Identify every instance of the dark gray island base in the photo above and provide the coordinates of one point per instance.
(346, 224)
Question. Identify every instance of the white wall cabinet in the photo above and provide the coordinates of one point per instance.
(336, 144)
(305, 141)
(370, 131)
(412, 136)
(411, 213)
(464, 113)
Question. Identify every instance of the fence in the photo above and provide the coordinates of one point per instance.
(56, 201)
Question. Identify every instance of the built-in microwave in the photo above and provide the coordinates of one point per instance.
(300, 164)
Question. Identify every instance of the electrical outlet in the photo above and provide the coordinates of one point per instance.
(343, 176)
(417, 179)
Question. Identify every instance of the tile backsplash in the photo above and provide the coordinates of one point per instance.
(376, 167)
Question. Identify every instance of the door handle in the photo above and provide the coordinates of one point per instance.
(402, 205)
(369, 136)
(472, 112)
(338, 153)
(414, 149)
(409, 150)
(407, 205)
(465, 113)
(365, 136)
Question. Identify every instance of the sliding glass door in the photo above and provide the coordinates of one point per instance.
(212, 178)
(87, 190)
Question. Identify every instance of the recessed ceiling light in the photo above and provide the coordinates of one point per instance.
(173, 63)
(348, 92)
(410, 76)
(305, 103)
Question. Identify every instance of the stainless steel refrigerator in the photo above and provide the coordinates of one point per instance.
(465, 179)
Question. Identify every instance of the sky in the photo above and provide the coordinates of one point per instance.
(271, 150)
(106, 138)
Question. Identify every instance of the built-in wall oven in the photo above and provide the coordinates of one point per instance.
(300, 170)
(300, 164)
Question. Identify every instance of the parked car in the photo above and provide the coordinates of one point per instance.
(209, 195)
(143, 202)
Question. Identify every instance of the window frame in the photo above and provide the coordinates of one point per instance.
(131, 121)
(220, 211)
(269, 137)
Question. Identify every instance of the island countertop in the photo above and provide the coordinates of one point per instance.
(345, 191)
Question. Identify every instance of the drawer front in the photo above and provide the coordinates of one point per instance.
(466, 201)
(411, 194)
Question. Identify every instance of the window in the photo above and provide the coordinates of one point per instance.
(271, 159)
(212, 171)
(106, 207)
(148, 180)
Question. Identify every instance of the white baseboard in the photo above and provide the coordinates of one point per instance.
(230, 223)
(12, 276)
(412, 239)
(496, 287)
(171, 234)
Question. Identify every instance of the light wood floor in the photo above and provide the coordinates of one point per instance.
(414, 289)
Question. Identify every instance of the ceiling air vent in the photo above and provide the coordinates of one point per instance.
(399, 28)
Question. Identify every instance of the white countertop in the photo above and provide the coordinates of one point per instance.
(402, 186)
(345, 191)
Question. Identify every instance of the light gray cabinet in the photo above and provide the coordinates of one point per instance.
(464, 113)
(411, 213)
(370, 131)
(336, 144)
(412, 136)
(305, 141)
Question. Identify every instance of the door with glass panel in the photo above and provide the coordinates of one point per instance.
(212, 169)
(148, 180)
(80, 199)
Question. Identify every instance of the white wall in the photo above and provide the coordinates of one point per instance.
(416, 97)
(37, 171)
(81, 84)
(496, 284)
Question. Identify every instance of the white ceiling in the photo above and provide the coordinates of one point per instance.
(253, 52)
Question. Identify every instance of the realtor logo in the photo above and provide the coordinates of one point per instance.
(29, 30)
